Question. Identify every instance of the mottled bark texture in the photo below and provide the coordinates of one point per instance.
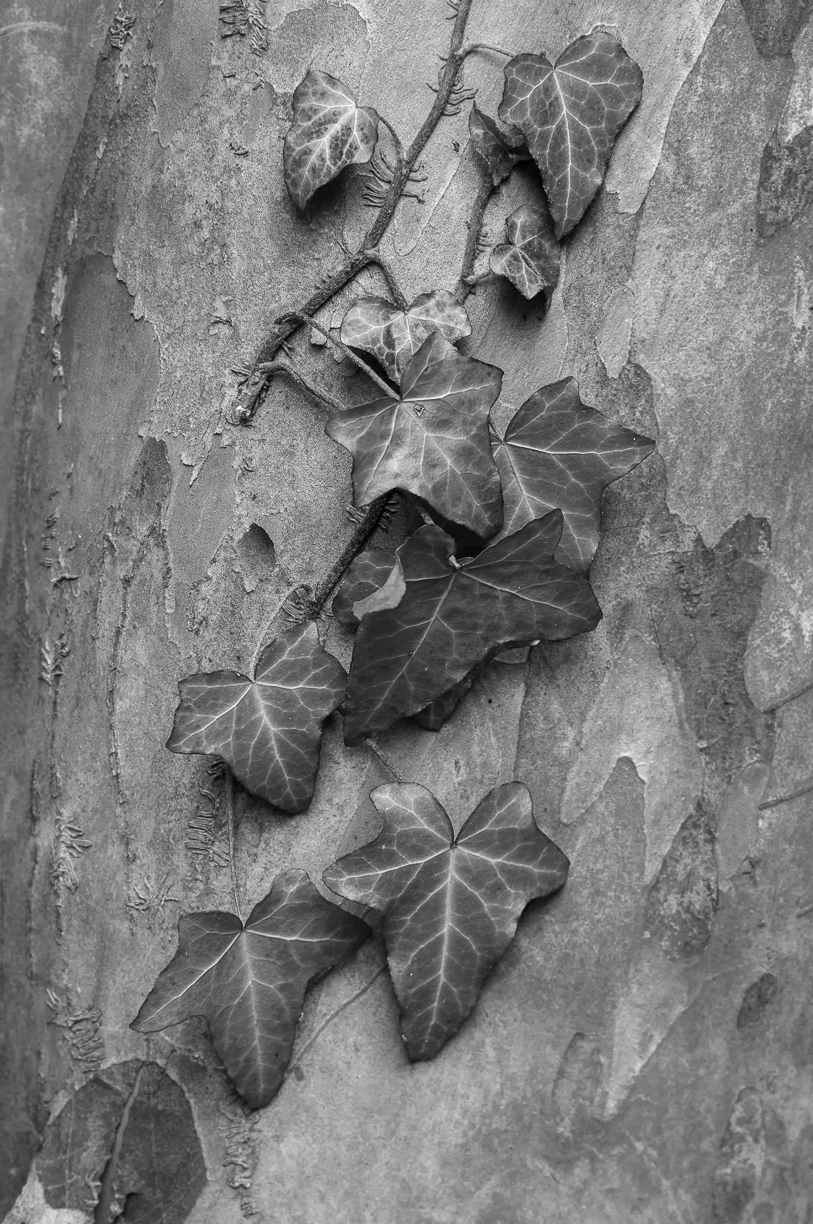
(645, 1051)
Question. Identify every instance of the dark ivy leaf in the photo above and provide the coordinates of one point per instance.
(557, 452)
(437, 712)
(453, 613)
(248, 980)
(432, 440)
(570, 116)
(451, 904)
(530, 259)
(393, 335)
(499, 150)
(267, 729)
(329, 132)
(368, 573)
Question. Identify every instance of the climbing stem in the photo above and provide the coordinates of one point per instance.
(385, 760)
(467, 278)
(447, 96)
(372, 519)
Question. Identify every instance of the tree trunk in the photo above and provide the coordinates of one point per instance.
(644, 1051)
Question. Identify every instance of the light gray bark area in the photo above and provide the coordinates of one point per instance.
(644, 1051)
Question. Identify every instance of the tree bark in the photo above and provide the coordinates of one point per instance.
(644, 1051)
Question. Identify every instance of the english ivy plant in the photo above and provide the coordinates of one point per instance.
(510, 525)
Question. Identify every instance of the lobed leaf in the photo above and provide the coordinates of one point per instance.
(570, 115)
(432, 440)
(393, 335)
(530, 259)
(499, 150)
(329, 131)
(453, 614)
(248, 980)
(557, 452)
(450, 904)
(267, 729)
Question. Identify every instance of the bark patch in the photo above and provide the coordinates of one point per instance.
(683, 899)
(756, 999)
(740, 1159)
(576, 1089)
(774, 24)
(159, 1169)
(256, 556)
(785, 182)
(703, 626)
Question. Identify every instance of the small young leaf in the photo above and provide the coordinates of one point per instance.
(248, 980)
(530, 258)
(329, 132)
(267, 729)
(451, 904)
(499, 150)
(368, 573)
(453, 613)
(558, 452)
(570, 115)
(393, 335)
(433, 440)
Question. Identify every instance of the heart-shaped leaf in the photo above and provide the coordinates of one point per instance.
(453, 613)
(559, 452)
(368, 573)
(267, 729)
(570, 116)
(249, 979)
(499, 150)
(530, 259)
(451, 904)
(433, 440)
(329, 132)
(393, 335)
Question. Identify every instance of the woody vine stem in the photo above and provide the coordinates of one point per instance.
(449, 96)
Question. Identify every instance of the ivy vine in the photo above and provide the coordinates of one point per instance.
(509, 528)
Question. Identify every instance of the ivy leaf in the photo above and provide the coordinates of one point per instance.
(248, 980)
(329, 132)
(559, 452)
(432, 440)
(530, 258)
(267, 729)
(437, 712)
(367, 574)
(393, 335)
(499, 150)
(453, 613)
(570, 116)
(451, 904)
